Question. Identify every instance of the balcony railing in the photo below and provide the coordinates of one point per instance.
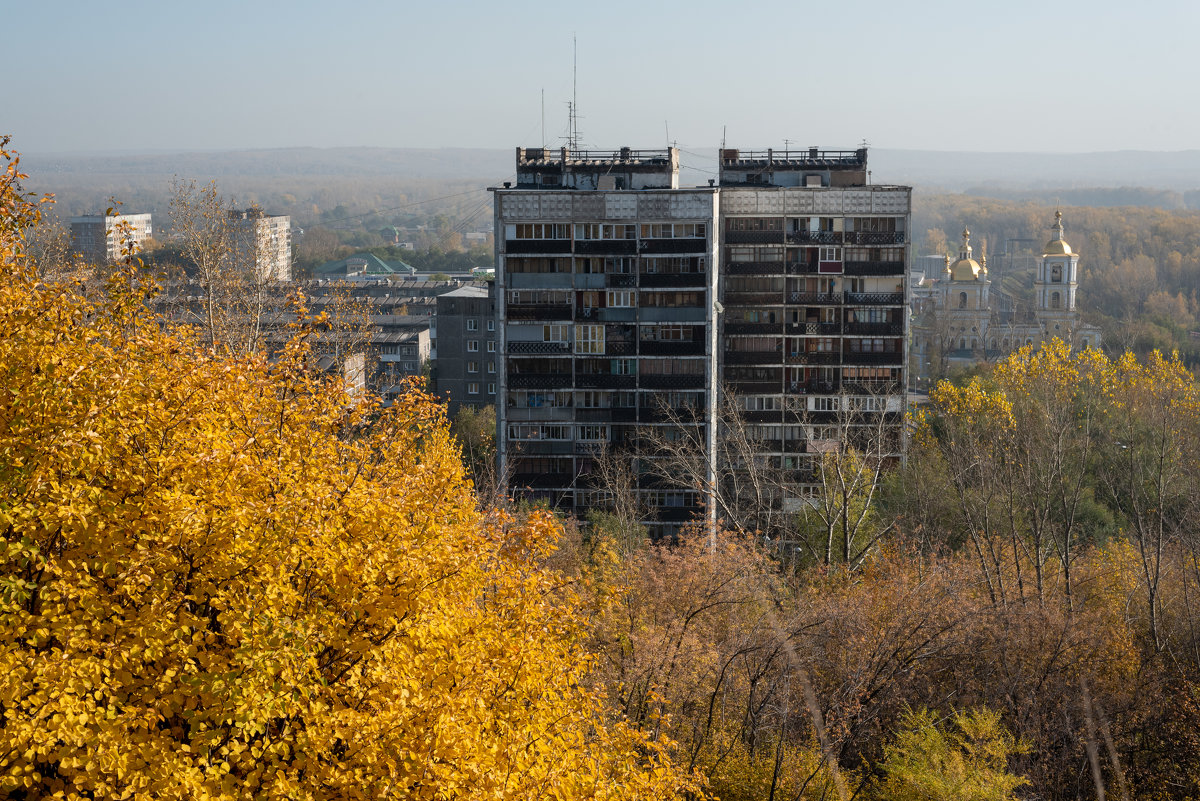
(672, 382)
(802, 268)
(875, 298)
(539, 480)
(614, 348)
(755, 387)
(852, 357)
(875, 329)
(874, 237)
(815, 298)
(540, 381)
(754, 268)
(824, 329)
(604, 381)
(753, 298)
(516, 246)
(620, 280)
(873, 268)
(753, 328)
(681, 245)
(670, 280)
(538, 311)
(815, 237)
(606, 247)
(753, 237)
(539, 347)
(753, 357)
(813, 357)
(659, 348)
(812, 387)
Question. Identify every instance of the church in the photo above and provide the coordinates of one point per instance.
(955, 322)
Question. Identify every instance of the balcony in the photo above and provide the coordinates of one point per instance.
(815, 237)
(755, 387)
(538, 311)
(753, 328)
(873, 268)
(659, 348)
(874, 237)
(876, 329)
(754, 268)
(690, 245)
(813, 357)
(815, 298)
(672, 382)
(754, 237)
(590, 447)
(677, 514)
(822, 329)
(896, 358)
(875, 298)
(754, 298)
(772, 357)
(812, 388)
(539, 480)
(618, 348)
(538, 348)
(603, 381)
(620, 280)
(606, 247)
(543, 447)
(802, 268)
(540, 381)
(672, 280)
(514, 247)
(763, 417)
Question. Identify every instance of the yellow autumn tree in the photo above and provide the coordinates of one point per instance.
(223, 578)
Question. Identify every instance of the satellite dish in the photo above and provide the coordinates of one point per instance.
(720, 309)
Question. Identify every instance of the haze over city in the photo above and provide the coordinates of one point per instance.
(1022, 76)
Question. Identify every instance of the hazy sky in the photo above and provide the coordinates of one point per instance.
(1014, 75)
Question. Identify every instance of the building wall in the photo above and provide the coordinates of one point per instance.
(606, 302)
(467, 368)
(100, 238)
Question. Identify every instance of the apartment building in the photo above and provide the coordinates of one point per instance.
(263, 241)
(629, 306)
(465, 369)
(100, 238)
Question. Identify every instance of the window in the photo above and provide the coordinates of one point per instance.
(472, 367)
(472, 389)
(1056, 273)
(491, 346)
(554, 333)
(538, 231)
(491, 389)
(962, 300)
(1055, 301)
(620, 298)
(589, 339)
(593, 433)
(472, 346)
(491, 325)
(492, 368)
(624, 367)
(472, 325)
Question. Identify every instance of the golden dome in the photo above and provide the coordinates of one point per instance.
(1057, 246)
(965, 270)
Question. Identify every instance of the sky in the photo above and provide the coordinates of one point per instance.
(1011, 76)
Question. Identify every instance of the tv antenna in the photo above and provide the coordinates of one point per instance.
(573, 106)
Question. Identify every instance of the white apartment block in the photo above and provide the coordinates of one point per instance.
(103, 238)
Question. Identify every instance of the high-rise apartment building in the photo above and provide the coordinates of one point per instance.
(100, 238)
(262, 241)
(628, 307)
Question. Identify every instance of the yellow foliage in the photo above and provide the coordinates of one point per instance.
(223, 578)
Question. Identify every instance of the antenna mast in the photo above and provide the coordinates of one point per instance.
(573, 122)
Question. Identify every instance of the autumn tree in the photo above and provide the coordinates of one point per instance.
(226, 578)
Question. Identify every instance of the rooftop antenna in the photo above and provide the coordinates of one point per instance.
(573, 107)
(667, 128)
(543, 118)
